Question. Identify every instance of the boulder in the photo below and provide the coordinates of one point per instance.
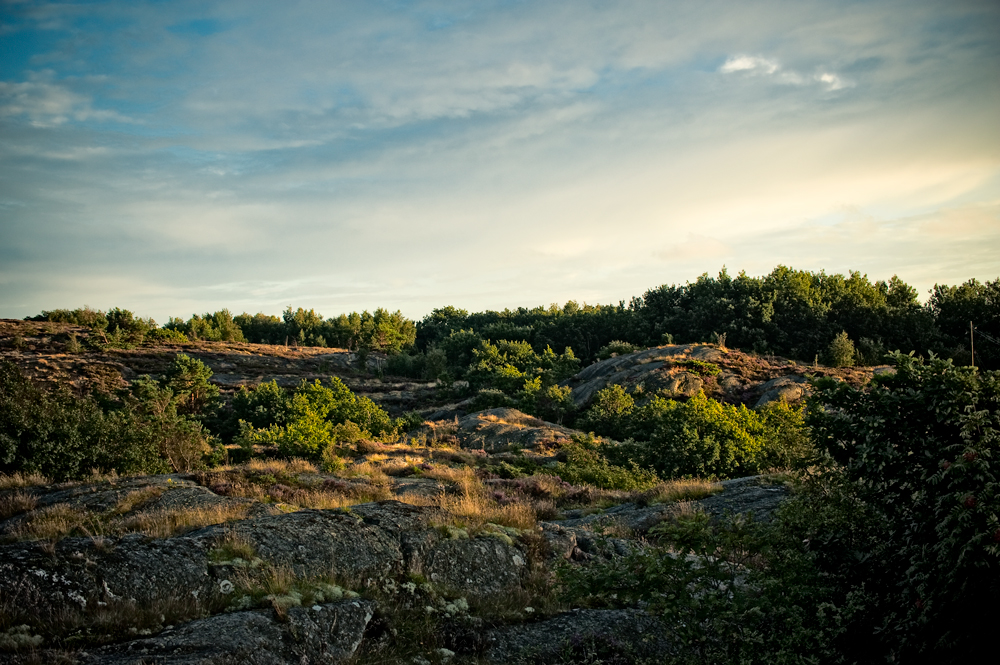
(329, 633)
(497, 430)
(789, 388)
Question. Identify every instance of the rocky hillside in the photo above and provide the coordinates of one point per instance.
(681, 370)
(277, 563)
(443, 546)
(42, 350)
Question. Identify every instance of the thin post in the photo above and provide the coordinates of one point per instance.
(972, 344)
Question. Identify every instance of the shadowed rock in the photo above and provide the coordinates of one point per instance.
(328, 633)
(627, 635)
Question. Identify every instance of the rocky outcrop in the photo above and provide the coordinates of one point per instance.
(790, 388)
(497, 430)
(329, 633)
(654, 368)
(681, 370)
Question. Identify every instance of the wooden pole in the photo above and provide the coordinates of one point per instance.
(972, 345)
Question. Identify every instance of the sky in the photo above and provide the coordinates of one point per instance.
(176, 157)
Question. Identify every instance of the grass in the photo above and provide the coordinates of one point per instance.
(54, 523)
(17, 480)
(16, 502)
(672, 491)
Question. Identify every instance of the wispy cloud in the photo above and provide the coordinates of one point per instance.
(484, 153)
(756, 65)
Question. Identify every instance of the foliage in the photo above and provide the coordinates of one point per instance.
(183, 441)
(955, 307)
(790, 312)
(551, 402)
(166, 335)
(697, 437)
(700, 367)
(734, 592)
(63, 436)
(310, 420)
(586, 464)
(841, 352)
(616, 348)
(919, 450)
(217, 327)
(506, 365)
(188, 378)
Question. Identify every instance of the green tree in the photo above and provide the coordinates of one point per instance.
(190, 380)
(841, 351)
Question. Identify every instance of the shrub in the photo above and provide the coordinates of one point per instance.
(63, 436)
(919, 450)
(189, 379)
(586, 464)
(616, 348)
(310, 418)
(841, 352)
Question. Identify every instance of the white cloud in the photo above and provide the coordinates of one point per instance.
(747, 63)
(832, 81)
(756, 65)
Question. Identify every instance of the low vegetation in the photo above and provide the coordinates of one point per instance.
(888, 550)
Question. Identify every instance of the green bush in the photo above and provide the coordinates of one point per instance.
(698, 437)
(919, 449)
(841, 351)
(616, 348)
(586, 464)
(307, 422)
(190, 381)
(63, 436)
(551, 402)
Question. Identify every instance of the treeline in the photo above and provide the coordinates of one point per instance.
(799, 314)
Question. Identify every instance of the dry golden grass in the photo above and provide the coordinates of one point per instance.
(17, 502)
(51, 523)
(681, 490)
(276, 467)
(471, 503)
(135, 499)
(365, 469)
(16, 480)
(166, 523)
(56, 522)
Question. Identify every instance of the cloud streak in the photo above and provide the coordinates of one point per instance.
(177, 157)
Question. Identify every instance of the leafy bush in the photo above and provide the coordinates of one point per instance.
(63, 436)
(167, 335)
(919, 449)
(700, 367)
(698, 437)
(490, 398)
(616, 348)
(841, 351)
(550, 402)
(586, 464)
(309, 421)
(216, 327)
(189, 379)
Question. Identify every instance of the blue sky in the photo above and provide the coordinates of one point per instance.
(180, 157)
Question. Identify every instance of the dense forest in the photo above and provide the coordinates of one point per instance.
(809, 316)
